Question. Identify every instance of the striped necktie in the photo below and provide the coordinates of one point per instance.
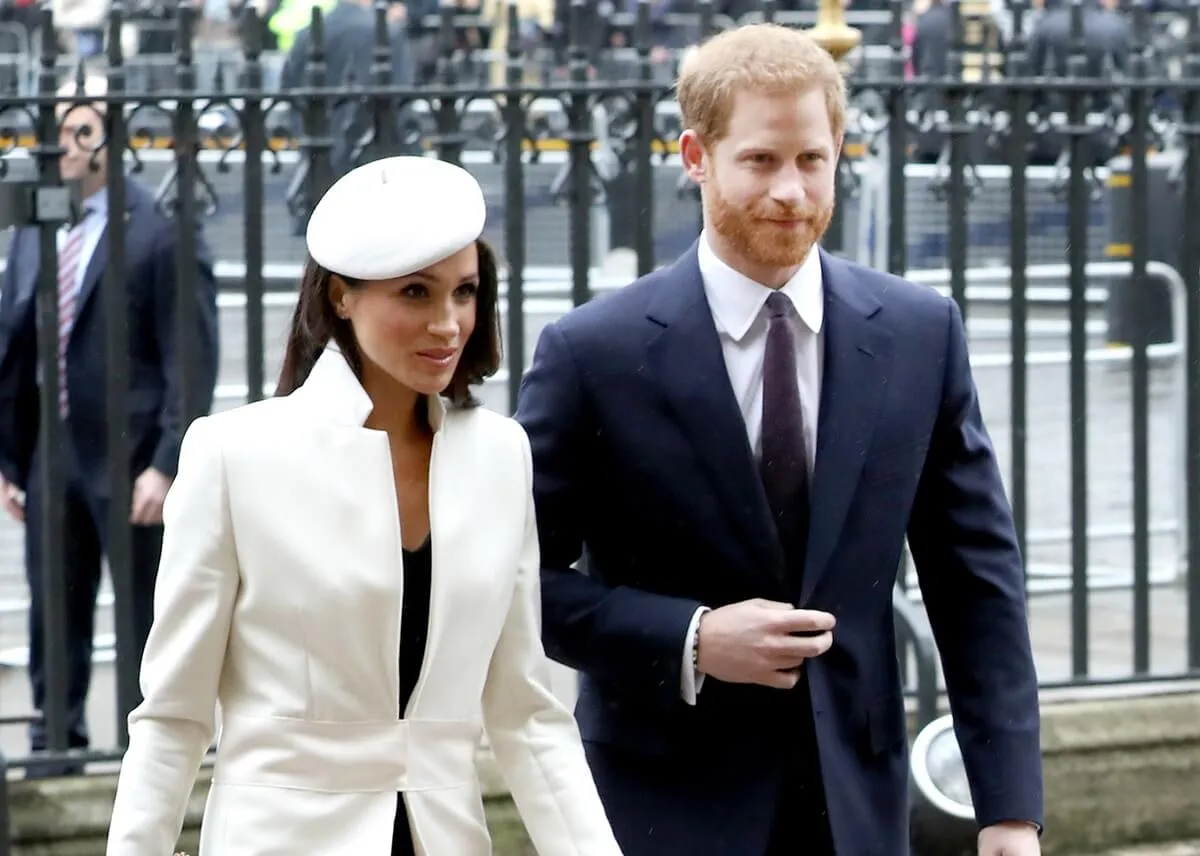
(69, 257)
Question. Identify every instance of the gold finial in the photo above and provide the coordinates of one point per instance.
(832, 32)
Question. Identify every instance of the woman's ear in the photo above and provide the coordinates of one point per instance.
(337, 295)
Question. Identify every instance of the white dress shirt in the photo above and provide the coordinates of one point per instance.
(737, 303)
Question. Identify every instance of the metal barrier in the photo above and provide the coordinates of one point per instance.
(1174, 353)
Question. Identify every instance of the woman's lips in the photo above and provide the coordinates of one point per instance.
(438, 356)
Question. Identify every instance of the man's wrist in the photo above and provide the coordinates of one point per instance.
(1012, 826)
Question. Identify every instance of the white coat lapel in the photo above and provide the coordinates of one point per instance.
(333, 395)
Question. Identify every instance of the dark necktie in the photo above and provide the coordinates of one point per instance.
(784, 457)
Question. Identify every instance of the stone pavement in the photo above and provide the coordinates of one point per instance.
(1108, 422)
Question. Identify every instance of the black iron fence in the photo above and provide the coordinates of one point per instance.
(1059, 214)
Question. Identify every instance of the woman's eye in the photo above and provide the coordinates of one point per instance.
(413, 291)
(468, 289)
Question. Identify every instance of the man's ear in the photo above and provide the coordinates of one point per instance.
(692, 155)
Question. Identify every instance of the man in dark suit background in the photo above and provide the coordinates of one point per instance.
(737, 446)
(349, 43)
(156, 408)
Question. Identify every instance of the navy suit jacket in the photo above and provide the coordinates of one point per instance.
(155, 411)
(642, 465)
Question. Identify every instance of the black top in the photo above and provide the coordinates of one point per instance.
(414, 632)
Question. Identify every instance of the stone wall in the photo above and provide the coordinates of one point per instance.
(1119, 772)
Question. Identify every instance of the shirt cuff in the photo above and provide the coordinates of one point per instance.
(691, 679)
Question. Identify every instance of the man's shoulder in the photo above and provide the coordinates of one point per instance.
(897, 295)
(140, 202)
(614, 314)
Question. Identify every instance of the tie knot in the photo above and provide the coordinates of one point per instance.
(778, 305)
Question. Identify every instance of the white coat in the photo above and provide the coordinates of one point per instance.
(278, 598)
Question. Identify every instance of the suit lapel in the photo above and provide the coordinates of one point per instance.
(689, 364)
(857, 348)
(94, 274)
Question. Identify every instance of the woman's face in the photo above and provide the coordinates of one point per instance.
(414, 328)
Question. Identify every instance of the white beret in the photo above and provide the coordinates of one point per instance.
(395, 216)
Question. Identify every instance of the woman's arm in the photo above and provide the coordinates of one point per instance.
(534, 737)
(181, 667)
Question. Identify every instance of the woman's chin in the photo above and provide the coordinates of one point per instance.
(431, 383)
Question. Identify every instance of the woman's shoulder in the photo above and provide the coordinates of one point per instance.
(491, 442)
(240, 424)
(487, 426)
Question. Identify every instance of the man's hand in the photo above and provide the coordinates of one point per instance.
(13, 500)
(1010, 838)
(149, 491)
(755, 642)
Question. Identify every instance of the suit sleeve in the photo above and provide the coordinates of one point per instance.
(170, 731)
(202, 361)
(533, 735)
(631, 638)
(13, 463)
(965, 549)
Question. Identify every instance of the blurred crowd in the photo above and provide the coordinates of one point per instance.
(481, 29)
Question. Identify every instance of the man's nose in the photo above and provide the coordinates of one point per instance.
(788, 186)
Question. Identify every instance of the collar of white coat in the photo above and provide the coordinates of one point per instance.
(337, 393)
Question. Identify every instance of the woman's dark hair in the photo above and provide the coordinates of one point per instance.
(316, 322)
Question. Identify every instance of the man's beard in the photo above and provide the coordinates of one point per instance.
(762, 243)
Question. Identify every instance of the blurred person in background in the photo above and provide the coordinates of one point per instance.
(349, 44)
(536, 21)
(289, 17)
(932, 36)
(156, 420)
(264, 11)
(82, 22)
(1107, 38)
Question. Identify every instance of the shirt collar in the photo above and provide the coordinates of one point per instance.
(736, 300)
(95, 205)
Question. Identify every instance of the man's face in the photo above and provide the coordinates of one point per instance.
(769, 183)
(80, 133)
